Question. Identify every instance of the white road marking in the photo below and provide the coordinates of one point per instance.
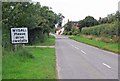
(76, 47)
(83, 51)
(72, 45)
(106, 65)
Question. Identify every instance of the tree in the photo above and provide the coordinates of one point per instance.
(40, 20)
(68, 26)
(109, 19)
(60, 18)
(90, 21)
(87, 22)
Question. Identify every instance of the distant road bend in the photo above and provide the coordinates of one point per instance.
(76, 60)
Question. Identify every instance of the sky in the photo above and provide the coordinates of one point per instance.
(76, 10)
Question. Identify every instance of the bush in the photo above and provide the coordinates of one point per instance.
(65, 33)
(70, 33)
(75, 33)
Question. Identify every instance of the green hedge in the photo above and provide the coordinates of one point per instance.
(102, 30)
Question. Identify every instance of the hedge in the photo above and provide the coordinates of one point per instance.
(102, 30)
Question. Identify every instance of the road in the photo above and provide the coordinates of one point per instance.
(76, 60)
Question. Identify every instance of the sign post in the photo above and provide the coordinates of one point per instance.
(19, 36)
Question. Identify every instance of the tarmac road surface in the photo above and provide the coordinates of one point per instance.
(76, 60)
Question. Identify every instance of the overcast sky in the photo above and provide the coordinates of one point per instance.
(76, 10)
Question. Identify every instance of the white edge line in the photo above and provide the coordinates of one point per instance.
(83, 51)
(106, 65)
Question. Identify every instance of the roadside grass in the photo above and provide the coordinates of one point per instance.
(47, 42)
(100, 44)
(41, 66)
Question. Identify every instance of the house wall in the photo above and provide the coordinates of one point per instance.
(60, 31)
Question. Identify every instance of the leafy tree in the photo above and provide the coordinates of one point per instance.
(60, 18)
(90, 21)
(68, 26)
(40, 20)
(87, 22)
(81, 24)
(109, 19)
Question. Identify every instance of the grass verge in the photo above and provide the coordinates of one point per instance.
(41, 66)
(100, 44)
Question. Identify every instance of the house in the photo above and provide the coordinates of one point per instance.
(59, 30)
(73, 24)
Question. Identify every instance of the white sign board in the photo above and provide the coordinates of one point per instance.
(19, 35)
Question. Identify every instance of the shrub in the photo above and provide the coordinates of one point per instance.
(75, 33)
(65, 33)
(70, 33)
